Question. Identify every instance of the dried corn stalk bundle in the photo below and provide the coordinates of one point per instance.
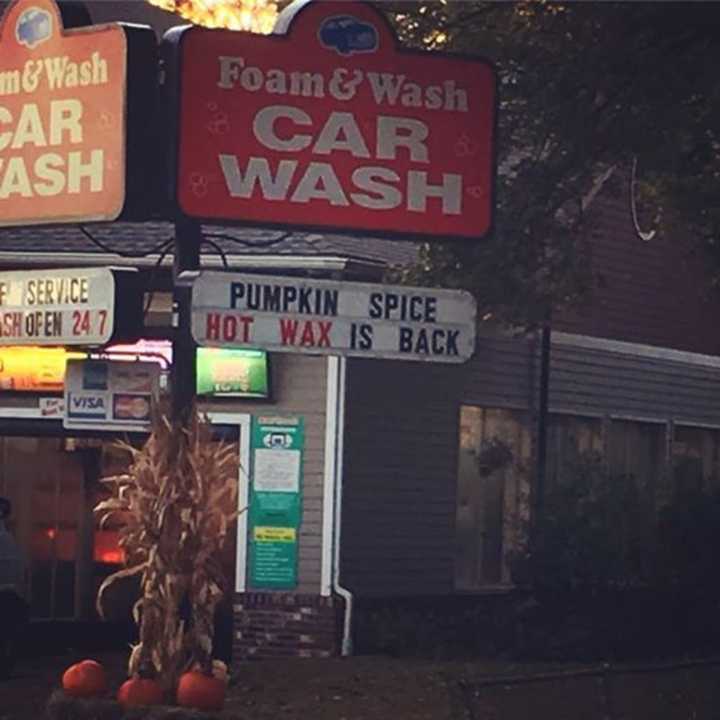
(178, 499)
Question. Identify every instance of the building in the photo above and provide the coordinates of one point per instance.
(51, 473)
(391, 459)
(401, 497)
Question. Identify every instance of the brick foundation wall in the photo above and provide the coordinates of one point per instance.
(270, 625)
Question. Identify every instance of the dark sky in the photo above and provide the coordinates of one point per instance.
(136, 11)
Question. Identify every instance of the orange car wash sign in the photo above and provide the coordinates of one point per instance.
(62, 118)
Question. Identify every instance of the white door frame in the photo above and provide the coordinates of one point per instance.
(242, 421)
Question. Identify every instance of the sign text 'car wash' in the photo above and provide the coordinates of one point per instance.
(333, 318)
(328, 124)
(62, 118)
(57, 307)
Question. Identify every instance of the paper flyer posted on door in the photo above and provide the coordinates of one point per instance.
(275, 512)
(328, 123)
(57, 307)
(110, 395)
(333, 318)
(62, 118)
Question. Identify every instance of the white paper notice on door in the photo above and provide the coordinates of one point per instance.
(277, 470)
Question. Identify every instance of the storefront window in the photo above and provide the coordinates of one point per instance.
(572, 441)
(493, 462)
(107, 555)
(47, 482)
(53, 485)
(696, 459)
(106, 548)
(494, 474)
(637, 452)
(56, 501)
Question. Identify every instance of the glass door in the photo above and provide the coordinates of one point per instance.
(46, 488)
(58, 507)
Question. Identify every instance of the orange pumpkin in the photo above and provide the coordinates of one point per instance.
(84, 679)
(140, 691)
(200, 691)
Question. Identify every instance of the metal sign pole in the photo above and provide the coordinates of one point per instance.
(187, 258)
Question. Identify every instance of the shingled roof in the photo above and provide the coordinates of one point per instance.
(19, 245)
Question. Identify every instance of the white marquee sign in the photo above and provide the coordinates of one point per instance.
(333, 318)
(57, 307)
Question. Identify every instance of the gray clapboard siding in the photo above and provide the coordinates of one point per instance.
(612, 383)
(299, 385)
(399, 465)
(401, 441)
(500, 373)
(401, 454)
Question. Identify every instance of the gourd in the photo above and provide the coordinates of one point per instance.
(200, 691)
(140, 691)
(84, 679)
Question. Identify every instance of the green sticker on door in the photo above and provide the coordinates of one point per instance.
(276, 501)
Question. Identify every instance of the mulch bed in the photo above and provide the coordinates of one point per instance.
(381, 688)
(62, 707)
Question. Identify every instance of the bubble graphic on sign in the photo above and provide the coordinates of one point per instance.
(465, 147)
(33, 27)
(198, 184)
(219, 124)
(476, 191)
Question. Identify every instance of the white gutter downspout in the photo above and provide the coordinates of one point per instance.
(332, 493)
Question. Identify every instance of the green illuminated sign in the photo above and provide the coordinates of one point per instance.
(232, 373)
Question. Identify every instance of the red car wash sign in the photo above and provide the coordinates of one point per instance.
(333, 318)
(62, 118)
(329, 124)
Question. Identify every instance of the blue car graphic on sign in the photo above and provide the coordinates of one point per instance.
(347, 35)
(34, 26)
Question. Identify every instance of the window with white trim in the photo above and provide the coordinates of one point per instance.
(492, 501)
(695, 459)
(572, 441)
